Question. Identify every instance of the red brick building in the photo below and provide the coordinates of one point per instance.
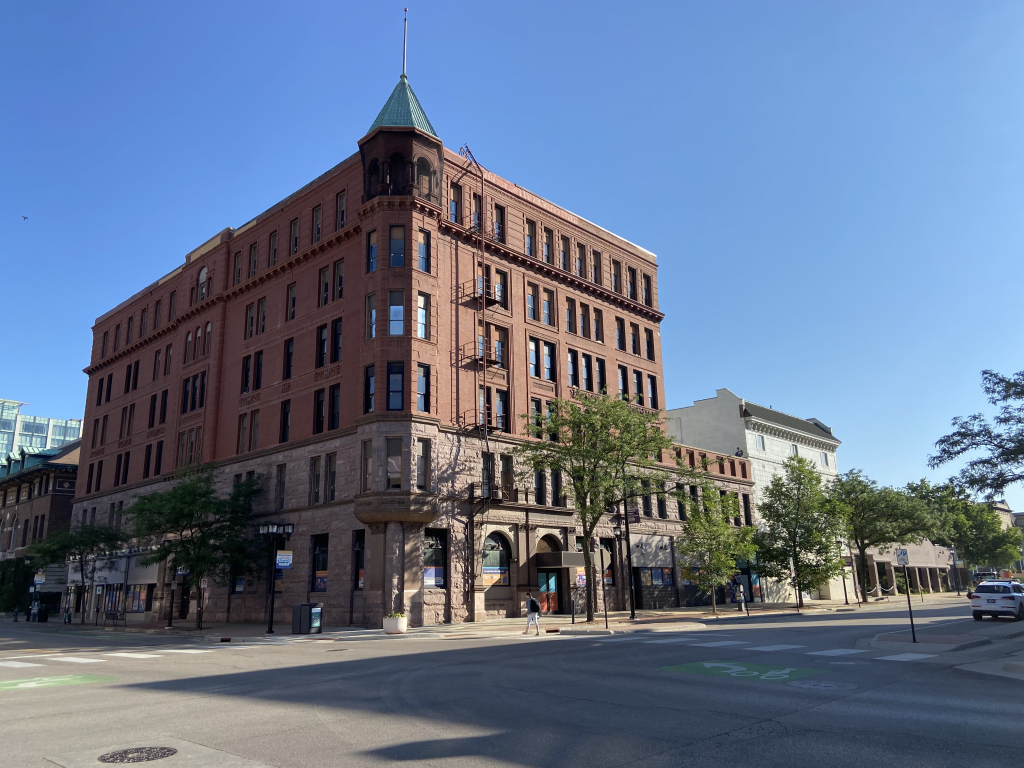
(346, 345)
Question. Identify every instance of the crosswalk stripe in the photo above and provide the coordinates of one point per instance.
(77, 659)
(669, 640)
(184, 650)
(906, 657)
(135, 655)
(834, 652)
(18, 664)
(719, 644)
(774, 647)
(615, 639)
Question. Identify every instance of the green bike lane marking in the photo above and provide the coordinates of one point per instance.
(51, 682)
(741, 671)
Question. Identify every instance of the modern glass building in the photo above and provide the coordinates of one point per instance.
(18, 430)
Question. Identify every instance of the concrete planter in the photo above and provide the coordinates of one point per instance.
(396, 626)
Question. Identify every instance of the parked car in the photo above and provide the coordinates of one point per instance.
(998, 598)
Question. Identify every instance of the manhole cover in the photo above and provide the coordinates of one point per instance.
(137, 755)
(822, 685)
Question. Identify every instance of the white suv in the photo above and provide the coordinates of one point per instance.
(998, 598)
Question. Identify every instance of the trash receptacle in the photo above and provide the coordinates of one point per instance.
(44, 615)
(306, 618)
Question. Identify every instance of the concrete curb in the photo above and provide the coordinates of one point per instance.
(924, 646)
(584, 632)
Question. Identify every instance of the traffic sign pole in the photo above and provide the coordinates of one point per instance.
(913, 632)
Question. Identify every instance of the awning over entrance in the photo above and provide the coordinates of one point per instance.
(559, 559)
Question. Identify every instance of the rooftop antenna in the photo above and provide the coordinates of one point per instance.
(405, 40)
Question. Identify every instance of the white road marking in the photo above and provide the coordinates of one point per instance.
(77, 659)
(18, 664)
(668, 640)
(774, 647)
(184, 650)
(719, 644)
(906, 657)
(615, 639)
(834, 652)
(135, 655)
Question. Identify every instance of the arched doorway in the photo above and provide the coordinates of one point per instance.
(549, 580)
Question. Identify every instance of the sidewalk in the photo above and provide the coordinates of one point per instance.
(666, 619)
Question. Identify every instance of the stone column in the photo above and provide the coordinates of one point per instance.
(915, 579)
(890, 574)
(872, 569)
(394, 567)
(373, 565)
(412, 593)
(935, 579)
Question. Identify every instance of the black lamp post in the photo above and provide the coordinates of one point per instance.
(956, 573)
(271, 532)
(846, 596)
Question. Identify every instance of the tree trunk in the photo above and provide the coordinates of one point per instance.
(862, 572)
(714, 603)
(588, 568)
(81, 571)
(199, 605)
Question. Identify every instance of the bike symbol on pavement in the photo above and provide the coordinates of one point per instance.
(50, 682)
(741, 671)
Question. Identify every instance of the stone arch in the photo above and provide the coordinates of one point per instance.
(549, 543)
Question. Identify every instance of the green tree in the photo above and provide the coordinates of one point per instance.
(198, 531)
(84, 547)
(999, 440)
(798, 530)
(711, 545)
(605, 449)
(876, 517)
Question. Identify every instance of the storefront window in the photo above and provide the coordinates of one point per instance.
(433, 559)
(496, 559)
(320, 563)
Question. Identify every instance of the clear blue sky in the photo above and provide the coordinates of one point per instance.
(833, 189)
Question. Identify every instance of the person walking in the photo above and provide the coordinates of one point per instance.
(532, 613)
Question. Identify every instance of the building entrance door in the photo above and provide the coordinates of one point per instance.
(547, 582)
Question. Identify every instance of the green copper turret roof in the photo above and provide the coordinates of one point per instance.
(403, 110)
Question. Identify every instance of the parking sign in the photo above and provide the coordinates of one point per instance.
(902, 558)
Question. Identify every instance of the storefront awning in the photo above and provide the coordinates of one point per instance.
(559, 559)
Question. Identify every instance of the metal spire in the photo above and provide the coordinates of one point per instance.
(405, 40)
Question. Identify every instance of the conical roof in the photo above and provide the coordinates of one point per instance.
(403, 110)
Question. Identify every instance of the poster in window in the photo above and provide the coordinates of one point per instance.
(581, 577)
(278, 581)
(320, 581)
(655, 577)
(666, 577)
(495, 576)
(240, 585)
(361, 572)
(645, 577)
(433, 577)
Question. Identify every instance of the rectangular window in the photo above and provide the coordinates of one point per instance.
(339, 211)
(794, 451)
(339, 279)
(117, 481)
(455, 204)
(243, 433)
(143, 321)
(563, 254)
(103, 432)
(272, 256)
(286, 421)
(99, 475)
(623, 383)
(423, 388)
(128, 379)
(331, 476)
(620, 334)
(172, 303)
(501, 288)
(584, 321)
(423, 251)
(131, 323)
(533, 359)
(824, 459)
(319, 549)
(394, 448)
(238, 268)
(323, 294)
(423, 316)
(652, 391)
(638, 387)
(649, 343)
(167, 363)
(163, 406)
(631, 283)
(289, 354)
(648, 291)
(147, 461)
(532, 301)
(499, 223)
(157, 461)
(371, 316)
(574, 368)
(294, 236)
(253, 251)
(369, 387)
(540, 495)
(246, 374)
(156, 314)
(321, 346)
(103, 349)
(319, 402)
(371, 251)
(581, 260)
(595, 271)
(314, 481)
(549, 361)
(156, 370)
(557, 500)
(96, 430)
(336, 340)
(548, 308)
(634, 338)
(135, 375)
(396, 386)
(422, 464)
(501, 420)
(279, 486)
(367, 466)
(760, 442)
(598, 325)
(261, 318)
(396, 252)
(334, 407)
(570, 315)
(254, 430)
(588, 373)
(549, 246)
(257, 370)
(396, 313)
(537, 419)
(88, 484)
(531, 237)
(602, 381)
(317, 224)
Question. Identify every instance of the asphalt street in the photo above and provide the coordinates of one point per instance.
(776, 691)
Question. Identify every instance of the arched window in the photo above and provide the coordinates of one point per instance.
(209, 343)
(372, 179)
(549, 544)
(497, 554)
(396, 174)
(424, 178)
(188, 346)
(201, 284)
(197, 350)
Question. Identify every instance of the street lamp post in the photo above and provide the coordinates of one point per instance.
(846, 597)
(271, 532)
(956, 573)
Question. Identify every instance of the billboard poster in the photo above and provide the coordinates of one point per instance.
(320, 581)
(645, 577)
(655, 577)
(581, 577)
(433, 577)
(284, 559)
(495, 576)
(315, 617)
(666, 577)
